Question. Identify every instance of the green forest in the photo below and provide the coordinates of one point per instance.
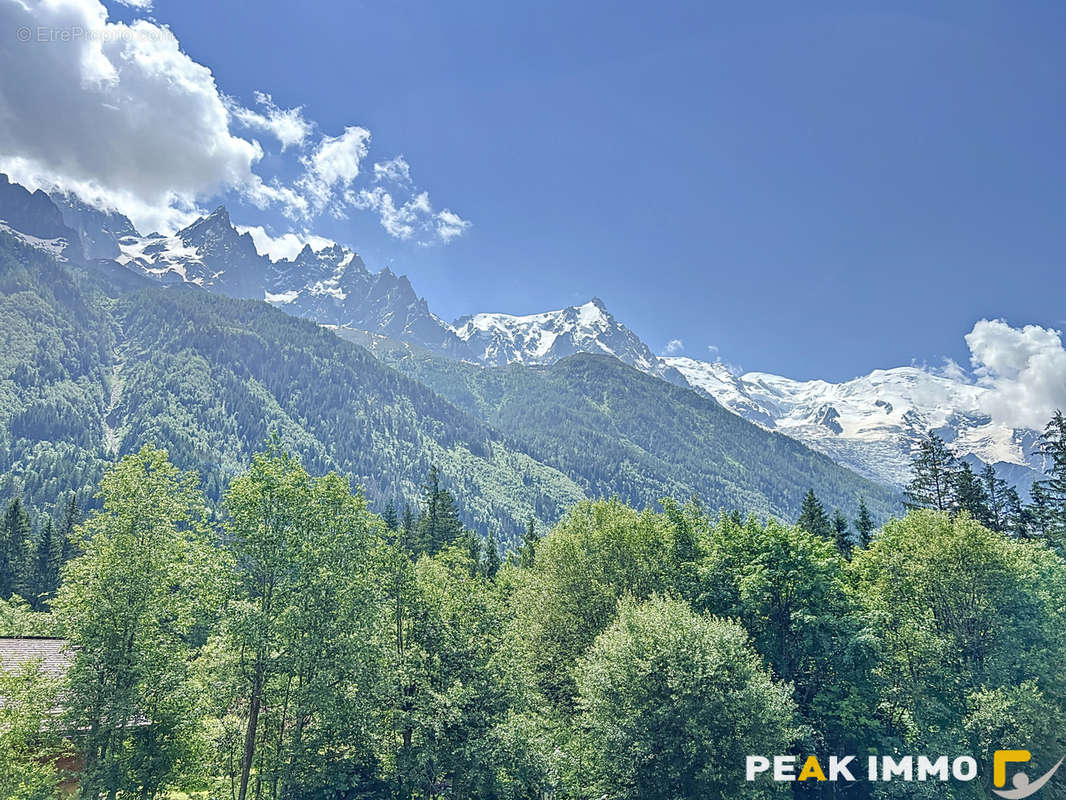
(100, 364)
(293, 644)
(292, 562)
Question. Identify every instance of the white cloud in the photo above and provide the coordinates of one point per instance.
(450, 225)
(1024, 370)
(396, 170)
(673, 347)
(953, 371)
(286, 246)
(119, 114)
(333, 165)
(143, 5)
(414, 216)
(287, 125)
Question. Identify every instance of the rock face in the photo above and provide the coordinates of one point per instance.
(32, 213)
(98, 232)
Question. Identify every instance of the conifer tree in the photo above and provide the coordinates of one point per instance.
(439, 524)
(842, 534)
(15, 535)
(407, 526)
(1017, 518)
(997, 496)
(864, 524)
(528, 549)
(71, 516)
(970, 496)
(813, 518)
(1052, 446)
(492, 556)
(1040, 511)
(933, 475)
(388, 516)
(47, 561)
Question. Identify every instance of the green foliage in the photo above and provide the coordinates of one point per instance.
(598, 553)
(788, 587)
(15, 548)
(933, 476)
(453, 701)
(128, 605)
(864, 524)
(813, 518)
(1051, 511)
(842, 534)
(18, 619)
(294, 646)
(670, 702)
(28, 747)
(965, 620)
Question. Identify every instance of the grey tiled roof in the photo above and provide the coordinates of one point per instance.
(53, 654)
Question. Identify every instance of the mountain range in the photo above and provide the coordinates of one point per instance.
(869, 424)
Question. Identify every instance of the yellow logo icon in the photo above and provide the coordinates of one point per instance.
(1023, 787)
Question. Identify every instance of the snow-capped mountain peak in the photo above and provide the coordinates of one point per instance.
(870, 423)
(538, 338)
(496, 339)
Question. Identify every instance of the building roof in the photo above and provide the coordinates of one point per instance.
(53, 654)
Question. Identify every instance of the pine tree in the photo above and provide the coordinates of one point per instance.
(813, 518)
(46, 563)
(933, 476)
(1040, 511)
(864, 524)
(997, 495)
(439, 524)
(492, 556)
(474, 548)
(527, 551)
(1017, 519)
(71, 515)
(970, 496)
(15, 535)
(842, 534)
(388, 516)
(1052, 446)
(407, 526)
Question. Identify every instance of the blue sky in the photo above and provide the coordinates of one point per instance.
(815, 193)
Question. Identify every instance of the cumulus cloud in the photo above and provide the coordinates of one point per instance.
(121, 115)
(395, 170)
(449, 225)
(333, 165)
(673, 347)
(1024, 370)
(285, 246)
(412, 219)
(287, 125)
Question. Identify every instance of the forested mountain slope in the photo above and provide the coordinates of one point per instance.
(88, 376)
(615, 430)
(95, 370)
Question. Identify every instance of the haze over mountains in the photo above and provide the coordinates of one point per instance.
(868, 424)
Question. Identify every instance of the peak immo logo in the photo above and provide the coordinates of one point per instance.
(1023, 785)
(882, 769)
